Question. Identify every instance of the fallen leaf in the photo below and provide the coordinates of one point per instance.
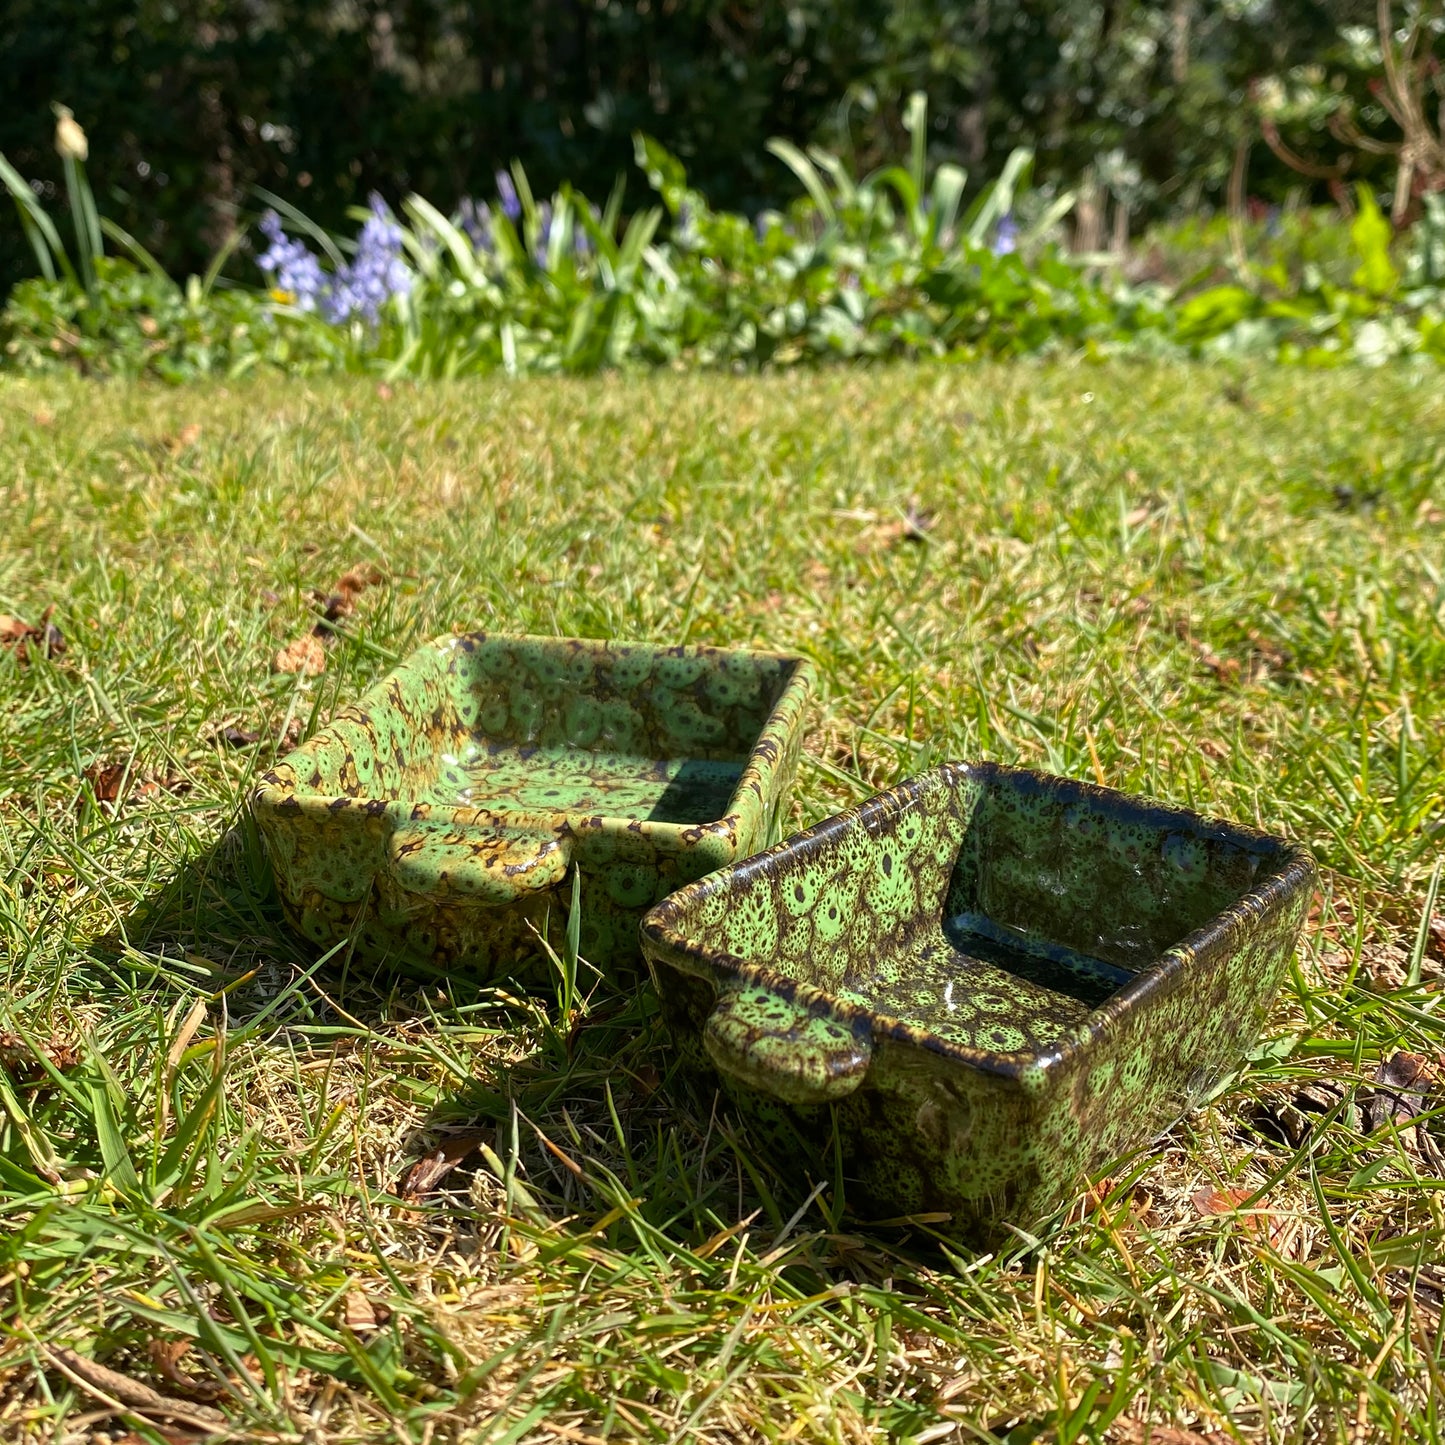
(1210, 1200)
(1127, 1431)
(1212, 749)
(1283, 1234)
(1288, 1118)
(340, 602)
(21, 635)
(358, 578)
(918, 521)
(106, 780)
(361, 1314)
(304, 654)
(234, 737)
(1402, 1084)
(23, 1062)
(166, 1356)
(426, 1174)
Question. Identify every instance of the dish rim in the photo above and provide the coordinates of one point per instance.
(273, 794)
(1295, 871)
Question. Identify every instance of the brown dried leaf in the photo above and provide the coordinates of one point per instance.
(304, 654)
(1288, 1118)
(1402, 1082)
(45, 637)
(184, 439)
(1435, 936)
(106, 780)
(43, 416)
(1210, 1200)
(1402, 1085)
(427, 1174)
(1128, 1431)
(19, 1059)
(357, 579)
(1284, 1235)
(166, 1356)
(234, 737)
(361, 1314)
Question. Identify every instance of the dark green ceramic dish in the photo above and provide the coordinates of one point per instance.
(978, 986)
(435, 823)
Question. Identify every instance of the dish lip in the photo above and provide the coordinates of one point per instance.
(1295, 872)
(274, 794)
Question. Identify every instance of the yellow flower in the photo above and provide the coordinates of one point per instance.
(282, 298)
(70, 140)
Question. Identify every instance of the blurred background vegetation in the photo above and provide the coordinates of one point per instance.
(1146, 106)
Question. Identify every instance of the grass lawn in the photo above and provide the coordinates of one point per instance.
(1223, 589)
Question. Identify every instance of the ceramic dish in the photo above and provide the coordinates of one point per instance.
(978, 986)
(434, 824)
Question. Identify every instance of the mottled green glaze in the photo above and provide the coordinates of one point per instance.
(978, 986)
(436, 823)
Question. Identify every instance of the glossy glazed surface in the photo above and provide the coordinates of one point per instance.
(985, 982)
(435, 823)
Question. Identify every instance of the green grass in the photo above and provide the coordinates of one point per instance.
(1224, 590)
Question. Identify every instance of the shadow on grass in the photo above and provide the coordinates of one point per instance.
(576, 1121)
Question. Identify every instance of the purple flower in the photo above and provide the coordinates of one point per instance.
(544, 232)
(374, 274)
(507, 194)
(292, 270)
(1005, 236)
(475, 218)
(361, 287)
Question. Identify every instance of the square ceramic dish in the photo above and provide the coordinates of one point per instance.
(435, 822)
(977, 986)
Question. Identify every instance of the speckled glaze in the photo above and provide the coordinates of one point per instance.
(975, 988)
(434, 824)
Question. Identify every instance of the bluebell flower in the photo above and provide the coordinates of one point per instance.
(544, 232)
(1005, 236)
(295, 274)
(507, 194)
(475, 218)
(374, 274)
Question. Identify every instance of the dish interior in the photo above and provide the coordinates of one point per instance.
(507, 777)
(527, 726)
(995, 910)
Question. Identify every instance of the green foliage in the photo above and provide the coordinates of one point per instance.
(198, 101)
(899, 262)
(132, 322)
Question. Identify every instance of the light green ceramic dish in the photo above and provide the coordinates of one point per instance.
(435, 824)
